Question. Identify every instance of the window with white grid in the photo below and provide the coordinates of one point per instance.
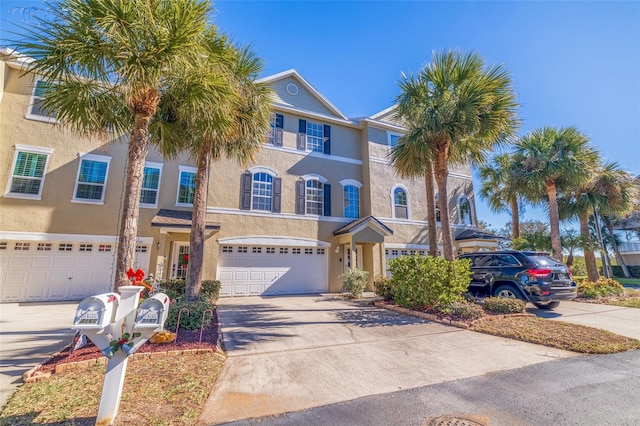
(315, 134)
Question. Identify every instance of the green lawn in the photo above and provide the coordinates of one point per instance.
(628, 281)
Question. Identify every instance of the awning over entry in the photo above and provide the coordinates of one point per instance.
(178, 221)
(366, 229)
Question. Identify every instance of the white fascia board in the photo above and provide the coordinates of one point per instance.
(310, 114)
(384, 111)
(79, 238)
(408, 246)
(268, 240)
(383, 125)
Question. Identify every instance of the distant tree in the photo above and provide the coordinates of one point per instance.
(550, 160)
(458, 109)
(499, 188)
(534, 235)
(571, 241)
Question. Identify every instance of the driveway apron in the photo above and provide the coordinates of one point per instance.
(292, 353)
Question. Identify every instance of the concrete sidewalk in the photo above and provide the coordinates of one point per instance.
(291, 353)
(29, 334)
(617, 319)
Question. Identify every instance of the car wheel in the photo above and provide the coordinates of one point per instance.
(547, 306)
(506, 292)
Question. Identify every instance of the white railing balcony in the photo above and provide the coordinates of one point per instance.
(629, 247)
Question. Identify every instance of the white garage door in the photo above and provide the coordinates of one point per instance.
(272, 270)
(33, 271)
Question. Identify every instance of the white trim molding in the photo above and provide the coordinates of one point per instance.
(268, 240)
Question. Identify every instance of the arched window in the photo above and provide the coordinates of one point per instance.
(400, 204)
(464, 211)
(261, 190)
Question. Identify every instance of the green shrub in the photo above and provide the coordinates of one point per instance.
(191, 320)
(382, 287)
(354, 281)
(633, 270)
(503, 305)
(464, 309)
(433, 282)
(600, 288)
(209, 289)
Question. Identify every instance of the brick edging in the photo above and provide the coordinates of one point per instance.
(435, 318)
(33, 375)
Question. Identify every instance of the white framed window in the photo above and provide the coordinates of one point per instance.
(351, 199)
(242, 249)
(44, 247)
(227, 249)
(142, 249)
(28, 172)
(22, 246)
(314, 197)
(256, 250)
(3, 245)
(150, 184)
(392, 139)
(92, 179)
(295, 250)
(465, 216)
(400, 201)
(271, 250)
(36, 110)
(86, 247)
(104, 247)
(261, 191)
(186, 186)
(284, 250)
(320, 251)
(315, 137)
(65, 247)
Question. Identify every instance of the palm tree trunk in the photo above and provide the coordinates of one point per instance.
(554, 221)
(614, 245)
(198, 227)
(587, 247)
(515, 217)
(431, 210)
(442, 174)
(126, 246)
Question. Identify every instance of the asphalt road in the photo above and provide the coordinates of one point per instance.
(584, 390)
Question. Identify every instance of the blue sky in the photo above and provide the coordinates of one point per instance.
(573, 63)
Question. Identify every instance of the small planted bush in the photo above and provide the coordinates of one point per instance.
(503, 305)
(209, 289)
(192, 320)
(432, 282)
(464, 309)
(354, 281)
(601, 288)
(382, 287)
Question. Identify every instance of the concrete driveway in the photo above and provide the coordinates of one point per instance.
(617, 319)
(291, 353)
(29, 334)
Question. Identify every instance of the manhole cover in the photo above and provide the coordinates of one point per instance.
(454, 420)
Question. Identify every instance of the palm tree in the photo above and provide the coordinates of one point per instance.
(461, 110)
(550, 160)
(109, 64)
(500, 188)
(412, 157)
(610, 190)
(237, 127)
(571, 241)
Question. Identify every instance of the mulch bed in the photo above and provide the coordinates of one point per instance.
(186, 340)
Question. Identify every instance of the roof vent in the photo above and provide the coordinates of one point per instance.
(292, 89)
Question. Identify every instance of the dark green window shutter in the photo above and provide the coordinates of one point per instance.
(277, 195)
(245, 191)
(327, 199)
(302, 134)
(327, 139)
(300, 196)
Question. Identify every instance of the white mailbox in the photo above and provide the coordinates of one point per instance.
(153, 312)
(96, 312)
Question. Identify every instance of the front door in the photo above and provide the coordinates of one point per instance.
(349, 257)
(180, 261)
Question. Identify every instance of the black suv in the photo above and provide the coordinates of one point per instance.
(530, 276)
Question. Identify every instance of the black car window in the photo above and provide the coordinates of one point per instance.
(546, 261)
(508, 260)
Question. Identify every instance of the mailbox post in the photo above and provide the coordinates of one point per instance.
(118, 327)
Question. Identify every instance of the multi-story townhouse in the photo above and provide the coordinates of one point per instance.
(320, 197)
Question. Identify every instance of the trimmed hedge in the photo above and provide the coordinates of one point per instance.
(209, 289)
(633, 270)
(503, 305)
(602, 287)
(191, 320)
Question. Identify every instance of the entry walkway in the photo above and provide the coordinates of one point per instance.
(291, 353)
